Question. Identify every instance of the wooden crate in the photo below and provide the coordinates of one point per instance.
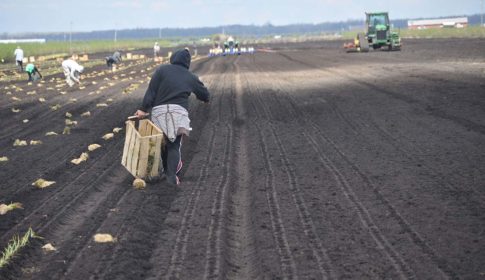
(142, 150)
(84, 58)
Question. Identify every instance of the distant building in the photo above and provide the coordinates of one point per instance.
(438, 23)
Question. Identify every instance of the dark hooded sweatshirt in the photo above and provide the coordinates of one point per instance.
(173, 83)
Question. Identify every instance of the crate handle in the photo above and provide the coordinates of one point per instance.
(135, 117)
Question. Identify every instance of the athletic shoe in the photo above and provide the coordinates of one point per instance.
(171, 183)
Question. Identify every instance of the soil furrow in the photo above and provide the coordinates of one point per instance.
(243, 255)
(180, 246)
(366, 217)
(399, 264)
(318, 250)
(213, 267)
(67, 193)
(286, 259)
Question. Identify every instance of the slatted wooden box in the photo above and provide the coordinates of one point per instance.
(142, 150)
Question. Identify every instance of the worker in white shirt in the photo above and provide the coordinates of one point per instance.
(72, 71)
(156, 50)
(19, 57)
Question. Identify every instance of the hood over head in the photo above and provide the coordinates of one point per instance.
(181, 57)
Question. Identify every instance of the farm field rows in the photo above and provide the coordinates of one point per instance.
(308, 163)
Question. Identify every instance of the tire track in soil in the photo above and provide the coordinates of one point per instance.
(213, 267)
(226, 231)
(453, 188)
(415, 236)
(474, 194)
(396, 260)
(318, 249)
(415, 154)
(365, 218)
(179, 251)
(471, 125)
(243, 257)
(171, 266)
(363, 213)
(180, 246)
(442, 267)
(286, 259)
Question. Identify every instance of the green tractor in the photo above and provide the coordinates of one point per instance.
(378, 35)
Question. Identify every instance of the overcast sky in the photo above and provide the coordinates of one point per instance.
(86, 15)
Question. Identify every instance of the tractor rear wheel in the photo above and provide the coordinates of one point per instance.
(364, 44)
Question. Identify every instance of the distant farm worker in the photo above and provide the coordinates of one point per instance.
(156, 50)
(114, 59)
(33, 72)
(167, 96)
(72, 71)
(19, 58)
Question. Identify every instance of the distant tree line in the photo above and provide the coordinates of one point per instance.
(235, 30)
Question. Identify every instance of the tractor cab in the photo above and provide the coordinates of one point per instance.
(379, 32)
(378, 28)
(378, 35)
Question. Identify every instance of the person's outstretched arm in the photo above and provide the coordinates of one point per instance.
(201, 91)
(37, 70)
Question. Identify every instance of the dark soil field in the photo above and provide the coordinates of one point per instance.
(308, 163)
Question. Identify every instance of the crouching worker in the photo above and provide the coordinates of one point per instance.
(114, 59)
(167, 96)
(72, 71)
(33, 72)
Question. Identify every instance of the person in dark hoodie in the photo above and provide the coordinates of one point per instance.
(167, 96)
(114, 59)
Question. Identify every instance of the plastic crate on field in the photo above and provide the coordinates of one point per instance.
(142, 149)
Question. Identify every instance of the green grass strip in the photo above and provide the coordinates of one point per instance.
(62, 49)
